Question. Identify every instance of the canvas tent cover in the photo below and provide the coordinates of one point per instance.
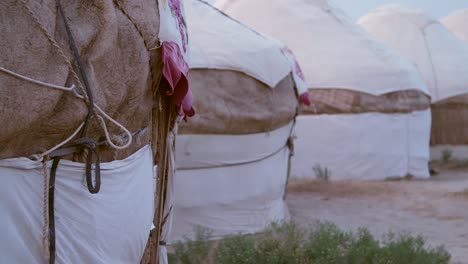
(232, 158)
(440, 56)
(333, 52)
(223, 43)
(367, 98)
(230, 183)
(242, 82)
(457, 22)
(113, 225)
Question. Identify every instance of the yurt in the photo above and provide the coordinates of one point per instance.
(457, 22)
(232, 157)
(442, 60)
(370, 116)
(88, 110)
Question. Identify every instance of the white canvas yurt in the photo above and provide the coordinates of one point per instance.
(457, 22)
(442, 59)
(89, 102)
(370, 116)
(232, 157)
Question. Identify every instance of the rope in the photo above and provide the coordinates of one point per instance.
(53, 86)
(72, 89)
(108, 137)
(286, 145)
(55, 44)
(290, 145)
(86, 96)
(49, 243)
(83, 97)
(40, 157)
(235, 164)
(88, 92)
(69, 89)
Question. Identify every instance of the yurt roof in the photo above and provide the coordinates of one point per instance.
(440, 56)
(457, 22)
(220, 42)
(332, 50)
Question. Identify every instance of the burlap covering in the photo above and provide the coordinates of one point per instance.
(35, 118)
(344, 101)
(230, 102)
(450, 121)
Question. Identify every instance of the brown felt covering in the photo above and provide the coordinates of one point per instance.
(345, 101)
(229, 102)
(450, 121)
(35, 118)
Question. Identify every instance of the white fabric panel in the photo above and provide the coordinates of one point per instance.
(230, 200)
(219, 42)
(243, 189)
(170, 28)
(371, 146)
(419, 136)
(440, 56)
(457, 22)
(333, 51)
(198, 151)
(109, 227)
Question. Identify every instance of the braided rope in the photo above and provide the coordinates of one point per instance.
(26, 78)
(79, 84)
(56, 45)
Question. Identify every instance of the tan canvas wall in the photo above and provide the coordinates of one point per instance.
(230, 102)
(450, 121)
(116, 61)
(344, 101)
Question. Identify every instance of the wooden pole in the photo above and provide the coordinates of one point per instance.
(163, 116)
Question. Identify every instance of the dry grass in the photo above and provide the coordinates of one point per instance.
(452, 164)
(462, 194)
(345, 188)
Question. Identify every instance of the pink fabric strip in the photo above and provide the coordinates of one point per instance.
(175, 72)
(304, 98)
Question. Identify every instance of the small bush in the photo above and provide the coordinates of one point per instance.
(237, 249)
(447, 155)
(322, 243)
(461, 164)
(409, 249)
(192, 251)
(322, 173)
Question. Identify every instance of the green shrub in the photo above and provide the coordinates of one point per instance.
(409, 249)
(192, 251)
(237, 249)
(322, 243)
(322, 173)
(447, 155)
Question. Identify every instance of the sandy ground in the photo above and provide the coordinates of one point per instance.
(436, 208)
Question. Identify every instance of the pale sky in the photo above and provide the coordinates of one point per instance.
(434, 8)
